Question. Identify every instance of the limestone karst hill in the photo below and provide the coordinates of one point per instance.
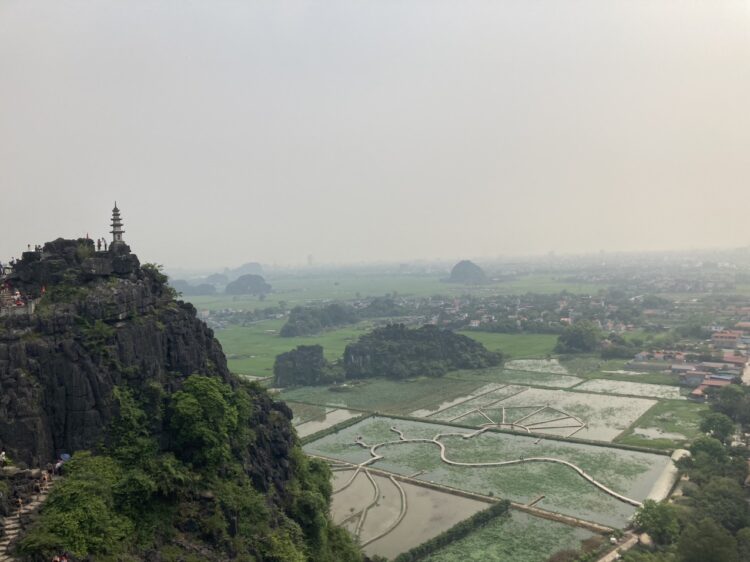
(174, 457)
(101, 320)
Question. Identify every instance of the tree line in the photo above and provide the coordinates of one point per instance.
(393, 351)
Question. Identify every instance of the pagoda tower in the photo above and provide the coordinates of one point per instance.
(117, 230)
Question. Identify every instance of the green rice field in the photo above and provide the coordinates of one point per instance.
(518, 538)
(307, 412)
(516, 346)
(384, 395)
(252, 350)
(507, 376)
(668, 425)
(628, 472)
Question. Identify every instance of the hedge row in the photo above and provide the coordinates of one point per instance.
(457, 532)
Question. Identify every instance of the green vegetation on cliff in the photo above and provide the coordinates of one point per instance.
(305, 366)
(308, 321)
(174, 458)
(189, 492)
(399, 352)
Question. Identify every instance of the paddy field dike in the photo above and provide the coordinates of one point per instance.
(575, 450)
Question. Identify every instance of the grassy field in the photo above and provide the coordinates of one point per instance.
(382, 395)
(668, 425)
(520, 538)
(593, 367)
(307, 412)
(606, 416)
(251, 350)
(312, 289)
(628, 472)
(516, 346)
(629, 388)
(507, 376)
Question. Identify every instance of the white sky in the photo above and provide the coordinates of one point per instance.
(353, 130)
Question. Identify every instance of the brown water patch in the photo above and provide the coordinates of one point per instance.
(429, 513)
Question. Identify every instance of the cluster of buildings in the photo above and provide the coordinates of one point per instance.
(728, 362)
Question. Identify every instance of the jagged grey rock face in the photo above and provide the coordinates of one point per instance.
(94, 331)
(58, 367)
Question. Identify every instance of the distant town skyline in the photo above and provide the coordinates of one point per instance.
(232, 132)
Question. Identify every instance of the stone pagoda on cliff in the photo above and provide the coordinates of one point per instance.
(117, 230)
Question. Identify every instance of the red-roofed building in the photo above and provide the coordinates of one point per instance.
(700, 392)
(726, 338)
(738, 360)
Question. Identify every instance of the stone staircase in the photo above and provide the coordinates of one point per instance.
(12, 523)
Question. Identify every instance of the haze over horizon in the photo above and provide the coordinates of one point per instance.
(268, 131)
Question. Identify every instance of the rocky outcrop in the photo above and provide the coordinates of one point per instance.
(467, 272)
(103, 321)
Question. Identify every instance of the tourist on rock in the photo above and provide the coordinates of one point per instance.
(3, 458)
(98, 244)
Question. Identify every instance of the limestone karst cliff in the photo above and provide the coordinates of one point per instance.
(185, 461)
(102, 321)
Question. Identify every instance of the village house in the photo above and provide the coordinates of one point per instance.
(681, 368)
(699, 393)
(693, 378)
(726, 339)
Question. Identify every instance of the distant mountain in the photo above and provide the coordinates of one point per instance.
(189, 290)
(250, 268)
(248, 285)
(467, 272)
(217, 279)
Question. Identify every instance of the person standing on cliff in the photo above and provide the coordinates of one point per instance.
(98, 244)
(3, 458)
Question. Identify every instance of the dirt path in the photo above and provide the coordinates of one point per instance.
(615, 554)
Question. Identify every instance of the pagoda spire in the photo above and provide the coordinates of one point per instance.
(117, 230)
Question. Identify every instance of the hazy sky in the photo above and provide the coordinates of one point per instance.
(231, 131)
